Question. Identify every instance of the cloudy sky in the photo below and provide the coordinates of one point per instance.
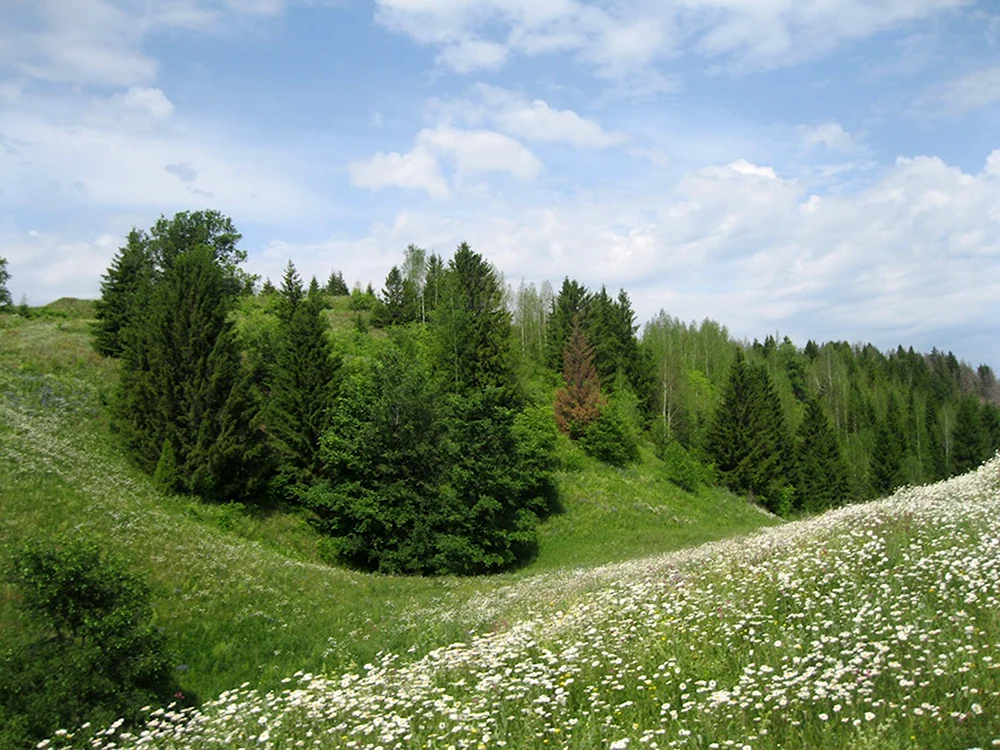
(829, 169)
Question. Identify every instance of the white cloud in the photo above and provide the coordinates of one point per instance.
(417, 169)
(743, 167)
(830, 134)
(978, 89)
(151, 101)
(626, 38)
(540, 122)
(475, 151)
(469, 55)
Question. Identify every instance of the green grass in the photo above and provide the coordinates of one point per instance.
(244, 595)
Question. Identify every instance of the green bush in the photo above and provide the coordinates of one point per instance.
(611, 438)
(88, 651)
(681, 468)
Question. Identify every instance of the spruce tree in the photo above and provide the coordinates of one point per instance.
(472, 327)
(820, 472)
(748, 438)
(336, 286)
(579, 401)
(5, 300)
(182, 383)
(570, 304)
(970, 442)
(433, 283)
(123, 292)
(301, 387)
(398, 304)
(885, 459)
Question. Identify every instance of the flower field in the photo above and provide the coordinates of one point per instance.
(873, 626)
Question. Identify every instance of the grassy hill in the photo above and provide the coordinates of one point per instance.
(873, 626)
(245, 596)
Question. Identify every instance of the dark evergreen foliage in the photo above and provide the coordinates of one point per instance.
(886, 461)
(820, 472)
(398, 304)
(748, 439)
(5, 300)
(570, 304)
(969, 440)
(336, 286)
(182, 382)
(433, 283)
(123, 291)
(472, 328)
(301, 386)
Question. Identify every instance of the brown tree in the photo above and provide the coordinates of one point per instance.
(579, 401)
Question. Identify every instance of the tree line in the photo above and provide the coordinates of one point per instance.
(422, 441)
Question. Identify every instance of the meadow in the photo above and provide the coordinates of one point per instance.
(871, 626)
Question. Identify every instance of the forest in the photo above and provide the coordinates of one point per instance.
(422, 442)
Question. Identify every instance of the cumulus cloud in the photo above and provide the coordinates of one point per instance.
(468, 151)
(149, 101)
(829, 134)
(417, 169)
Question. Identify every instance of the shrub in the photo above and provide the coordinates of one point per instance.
(89, 651)
(610, 438)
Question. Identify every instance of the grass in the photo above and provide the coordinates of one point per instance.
(244, 595)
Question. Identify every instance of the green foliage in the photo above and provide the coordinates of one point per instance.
(92, 653)
(399, 303)
(612, 437)
(360, 300)
(748, 440)
(182, 381)
(5, 300)
(681, 468)
(123, 289)
(166, 475)
(570, 304)
(471, 328)
(820, 472)
(301, 385)
(336, 286)
(971, 443)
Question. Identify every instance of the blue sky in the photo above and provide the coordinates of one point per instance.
(829, 169)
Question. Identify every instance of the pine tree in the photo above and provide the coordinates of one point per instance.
(302, 387)
(991, 427)
(5, 299)
(579, 401)
(570, 304)
(336, 286)
(935, 461)
(820, 472)
(472, 327)
(398, 304)
(291, 294)
(123, 291)
(182, 383)
(885, 459)
(970, 442)
(748, 438)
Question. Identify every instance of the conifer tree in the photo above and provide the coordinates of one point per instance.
(579, 401)
(570, 303)
(336, 286)
(5, 300)
(472, 327)
(936, 461)
(182, 384)
(398, 304)
(123, 292)
(302, 386)
(748, 439)
(969, 441)
(991, 427)
(885, 459)
(291, 294)
(820, 472)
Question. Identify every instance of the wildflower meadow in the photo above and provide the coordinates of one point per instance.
(871, 626)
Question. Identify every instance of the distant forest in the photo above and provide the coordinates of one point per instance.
(422, 429)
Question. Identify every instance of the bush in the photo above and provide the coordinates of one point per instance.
(89, 651)
(681, 468)
(610, 438)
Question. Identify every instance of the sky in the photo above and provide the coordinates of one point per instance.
(825, 169)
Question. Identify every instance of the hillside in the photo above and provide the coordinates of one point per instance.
(870, 626)
(244, 594)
